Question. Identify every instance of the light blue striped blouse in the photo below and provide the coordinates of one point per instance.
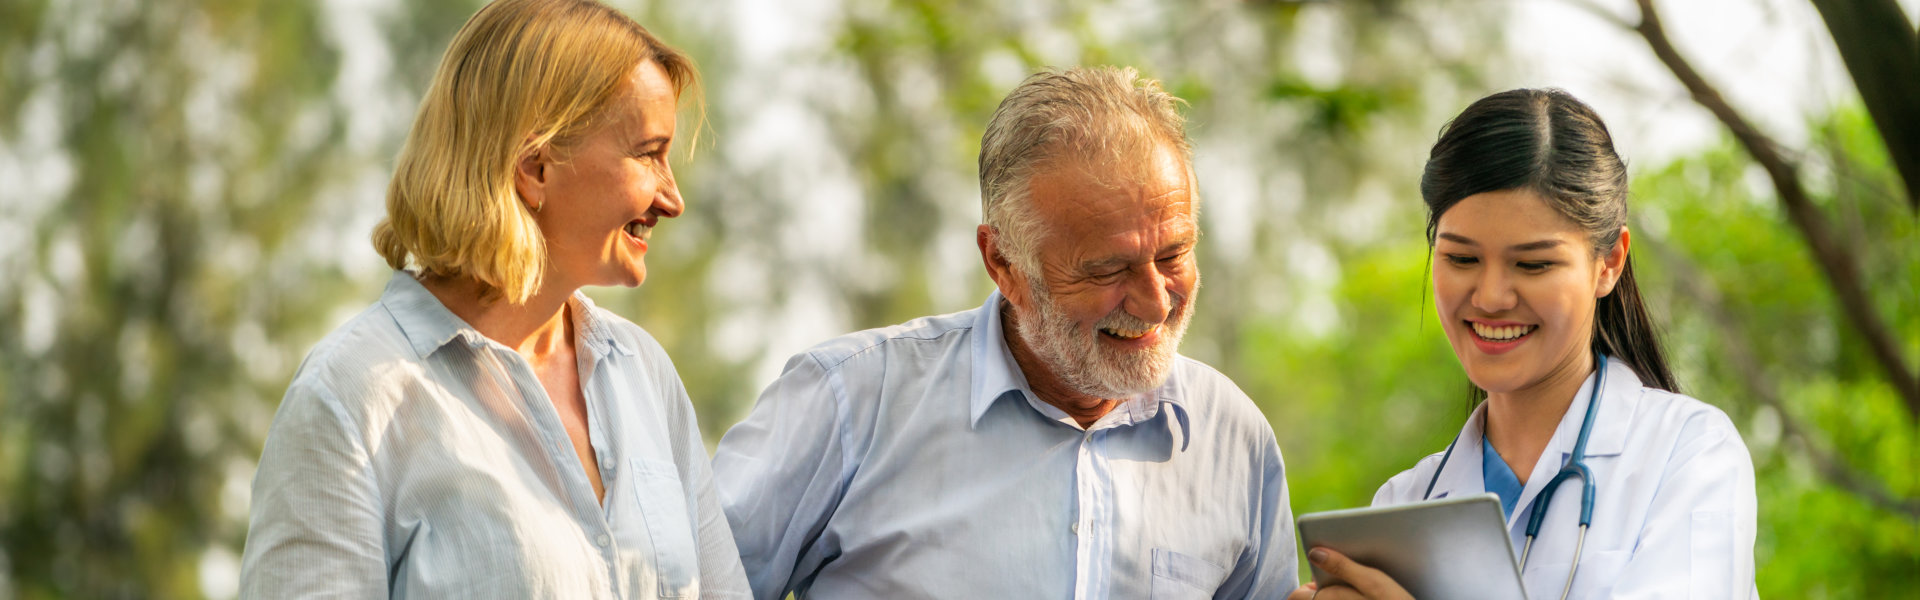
(412, 456)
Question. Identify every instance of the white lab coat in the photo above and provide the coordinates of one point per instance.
(1673, 510)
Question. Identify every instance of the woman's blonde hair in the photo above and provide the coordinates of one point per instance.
(520, 76)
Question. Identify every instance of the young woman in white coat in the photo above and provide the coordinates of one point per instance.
(1527, 211)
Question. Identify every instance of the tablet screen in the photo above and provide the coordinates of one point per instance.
(1446, 548)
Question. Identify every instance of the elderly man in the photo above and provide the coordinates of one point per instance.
(1050, 444)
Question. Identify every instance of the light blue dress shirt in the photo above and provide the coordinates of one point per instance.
(915, 462)
(414, 457)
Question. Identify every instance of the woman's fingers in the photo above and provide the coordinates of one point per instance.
(1304, 592)
(1370, 582)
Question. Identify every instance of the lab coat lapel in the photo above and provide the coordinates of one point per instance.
(1555, 455)
(1617, 402)
(1461, 474)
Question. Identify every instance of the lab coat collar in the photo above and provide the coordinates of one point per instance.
(1461, 473)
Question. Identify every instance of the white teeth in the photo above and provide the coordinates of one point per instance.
(635, 229)
(1128, 335)
(1502, 334)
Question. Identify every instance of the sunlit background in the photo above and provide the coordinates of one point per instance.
(187, 188)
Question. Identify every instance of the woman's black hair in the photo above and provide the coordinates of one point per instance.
(1552, 144)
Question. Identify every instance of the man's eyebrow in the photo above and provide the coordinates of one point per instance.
(1103, 264)
(1178, 245)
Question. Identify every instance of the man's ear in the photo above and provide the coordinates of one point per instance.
(530, 177)
(999, 267)
(1613, 264)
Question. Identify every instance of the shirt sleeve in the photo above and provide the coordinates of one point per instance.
(1269, 567)
(315, 527)
(1698, 538)
(781, 473)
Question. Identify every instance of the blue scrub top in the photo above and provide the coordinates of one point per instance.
(1499, 477)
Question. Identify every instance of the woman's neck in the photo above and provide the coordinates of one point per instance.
(536, 329)
(1521, 422)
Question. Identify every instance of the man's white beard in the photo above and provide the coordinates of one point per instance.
(1088, 367)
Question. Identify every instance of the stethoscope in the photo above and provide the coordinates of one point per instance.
(1576, 466)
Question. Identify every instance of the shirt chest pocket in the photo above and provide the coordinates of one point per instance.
(1178, 576)
(663, 506)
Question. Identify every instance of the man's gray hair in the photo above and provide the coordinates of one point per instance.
(1098, 116)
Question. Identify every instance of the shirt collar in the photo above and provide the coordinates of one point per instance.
(594, 328)
(428, 325)
(996, 375)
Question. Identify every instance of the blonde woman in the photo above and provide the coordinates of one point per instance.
(483, 431)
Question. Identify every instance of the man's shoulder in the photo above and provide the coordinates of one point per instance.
(1204, 390)
(950, 328)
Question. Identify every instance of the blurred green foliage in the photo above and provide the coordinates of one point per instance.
(194, 182)
(1736, 278)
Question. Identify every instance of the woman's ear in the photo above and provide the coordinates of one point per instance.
(530, 175)
(1613, 264)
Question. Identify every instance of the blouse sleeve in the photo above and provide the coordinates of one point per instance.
(315, 525)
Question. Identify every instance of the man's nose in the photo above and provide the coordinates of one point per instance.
(1147, 296)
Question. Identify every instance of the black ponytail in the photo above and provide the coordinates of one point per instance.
(1622, 329)
(1550, 143)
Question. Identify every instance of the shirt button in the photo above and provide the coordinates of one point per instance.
(1076, 528)
(602, 540)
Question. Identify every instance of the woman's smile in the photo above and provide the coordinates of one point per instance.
(1498, 337)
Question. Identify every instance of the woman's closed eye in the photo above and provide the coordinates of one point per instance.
(1461, 260)
(1533, 266)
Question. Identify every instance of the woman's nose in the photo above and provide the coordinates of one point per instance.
(1494, 293)
(667, 202)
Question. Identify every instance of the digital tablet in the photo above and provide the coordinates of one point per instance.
(1446, 548)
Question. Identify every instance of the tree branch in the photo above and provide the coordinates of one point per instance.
(1883, 56)
(1738, 353)
(1836, 260)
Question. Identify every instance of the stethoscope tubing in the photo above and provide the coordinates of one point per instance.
(1576, 466)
